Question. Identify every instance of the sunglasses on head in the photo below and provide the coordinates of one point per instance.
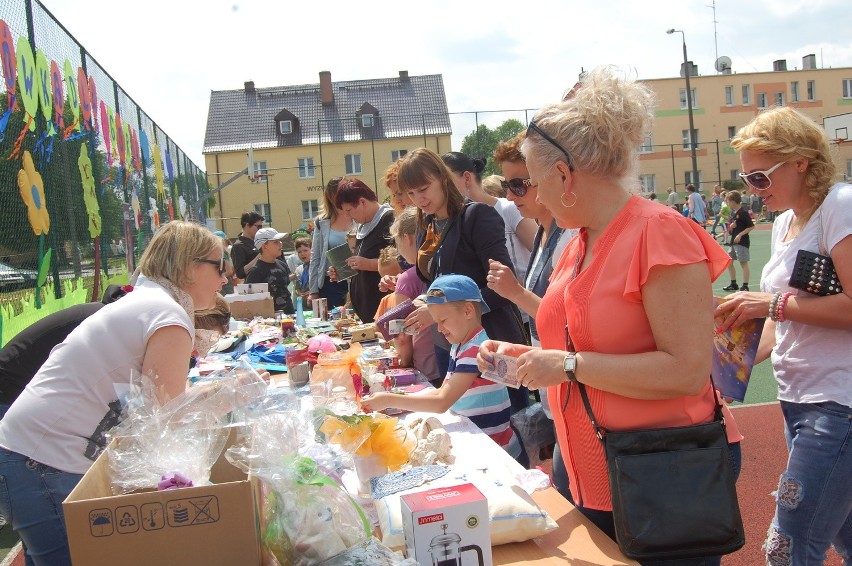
(518, 186)
(760, 180)
(533, 127)
(219, 263)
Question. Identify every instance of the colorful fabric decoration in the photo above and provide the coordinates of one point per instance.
(93, 93)
(93, 209)
(73, 97)
(31, 186)
(57, 85)
(158, 173)
(27, 79)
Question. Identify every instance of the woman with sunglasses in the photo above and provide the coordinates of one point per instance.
(786, 158)
(330, 230)
(550, 241)
(609, 318)
(456, 236)
(56, 428)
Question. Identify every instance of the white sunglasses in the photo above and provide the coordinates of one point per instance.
(760, 179)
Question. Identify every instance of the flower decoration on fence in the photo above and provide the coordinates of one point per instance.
(93, 209)
(370, 435)
(31, 186)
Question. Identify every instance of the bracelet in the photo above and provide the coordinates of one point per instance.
(773, 306)
(782, 303)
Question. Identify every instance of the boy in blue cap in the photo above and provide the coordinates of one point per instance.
(456, 304)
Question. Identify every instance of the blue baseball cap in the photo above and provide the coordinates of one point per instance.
(455, 288)
(220, 233)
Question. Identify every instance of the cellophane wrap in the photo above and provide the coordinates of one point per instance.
(183, 435)
(306, 514)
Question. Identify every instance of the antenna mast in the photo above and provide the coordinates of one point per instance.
(715, 35)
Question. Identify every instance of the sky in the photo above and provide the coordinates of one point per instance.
(168, 55)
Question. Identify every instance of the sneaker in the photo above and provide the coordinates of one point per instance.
(744, 287)
(731, 287)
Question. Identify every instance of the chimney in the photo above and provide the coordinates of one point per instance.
(779, 65)
(403, 77)
(809, 62)
(249, 86)
(326, 93)
(693, 69)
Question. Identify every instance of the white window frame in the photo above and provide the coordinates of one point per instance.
(687, 177)
(648, 182)
(397, 153)
(285, 127)
(847, 88)
(264, 210)
(683, 103)
(811, 91)
(761, 100)
(647, 145)
(352, 163)
(686, 139)
(367, 120)
(729, 95)
(306, 168)
(312, 207)
(746, 95)
(735, 174)
(260, 171)
(794, 91)
(779, 99)
(849, 169)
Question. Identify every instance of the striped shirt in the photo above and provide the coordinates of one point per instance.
(485, 403)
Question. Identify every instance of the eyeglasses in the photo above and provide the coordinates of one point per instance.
(760, 180)
(535, 128)
(518, 186)
(219, 263)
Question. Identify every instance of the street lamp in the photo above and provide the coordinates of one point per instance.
(686, 73)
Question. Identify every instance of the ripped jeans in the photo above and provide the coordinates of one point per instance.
(814, 498)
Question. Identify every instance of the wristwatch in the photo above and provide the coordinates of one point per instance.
(569, 365)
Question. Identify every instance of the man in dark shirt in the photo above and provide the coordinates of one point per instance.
(270, 269)
(243, 252)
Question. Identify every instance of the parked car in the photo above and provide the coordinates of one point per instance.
(12, 278)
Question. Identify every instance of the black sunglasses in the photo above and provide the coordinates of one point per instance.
(535, 128)
(219, 263)
(518, 186)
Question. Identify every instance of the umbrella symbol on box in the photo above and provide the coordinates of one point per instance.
(100, 522)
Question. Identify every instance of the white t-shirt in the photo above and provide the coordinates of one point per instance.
(812, 364)
(62, 415)
(519, 253)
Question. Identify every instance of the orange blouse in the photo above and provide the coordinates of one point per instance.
(603, 311)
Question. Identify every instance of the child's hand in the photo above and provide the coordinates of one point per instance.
(388, 283)
(377, 402)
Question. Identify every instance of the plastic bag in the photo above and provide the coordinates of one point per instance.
(535, 429)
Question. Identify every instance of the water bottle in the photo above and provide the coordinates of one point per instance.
(300, 313)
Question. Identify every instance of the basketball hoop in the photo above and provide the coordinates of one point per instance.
(839, 141)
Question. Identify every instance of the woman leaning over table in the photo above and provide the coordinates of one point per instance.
(786, 159)
(330, 231)
(632, 290)
(55, 429)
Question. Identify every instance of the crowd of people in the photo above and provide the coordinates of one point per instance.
(557, 263)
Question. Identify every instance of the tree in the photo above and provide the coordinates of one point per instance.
(482, 142)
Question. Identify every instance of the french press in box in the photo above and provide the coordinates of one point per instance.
(445, 550)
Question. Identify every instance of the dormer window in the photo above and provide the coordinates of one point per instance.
(285, 127)
(366, 120)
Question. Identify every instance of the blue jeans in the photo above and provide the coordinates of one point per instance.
(604, 521)
(31, 496)
(814, 498)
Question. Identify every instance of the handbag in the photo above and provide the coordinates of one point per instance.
(673, 489)
(814, 272)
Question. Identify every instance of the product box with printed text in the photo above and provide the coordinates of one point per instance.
(447, 526)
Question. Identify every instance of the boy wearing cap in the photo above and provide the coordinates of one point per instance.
(270, 269)
(456, 304)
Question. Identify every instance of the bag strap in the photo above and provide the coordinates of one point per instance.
(819, 236)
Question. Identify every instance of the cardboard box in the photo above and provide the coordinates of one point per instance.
(215, 524)
(447, 526)
(250, 306)
(363, 332)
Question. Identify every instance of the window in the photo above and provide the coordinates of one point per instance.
(263, 210)
(367, 120)
(310, 209)
(686, 138)
(761, 100)
(732, 131)
(735, 175)
(285, 127)
(648, 182)
(306, 168)
(811, 91)
(779, 99)
(260, 170)
(794, 91)
(397, 153)
(729, 95)
(847, 88)
(353, 163)
(687, 178)
(647, 145)
(683, 104)
(746, 95)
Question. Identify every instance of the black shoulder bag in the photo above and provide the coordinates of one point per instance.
(673, 489)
